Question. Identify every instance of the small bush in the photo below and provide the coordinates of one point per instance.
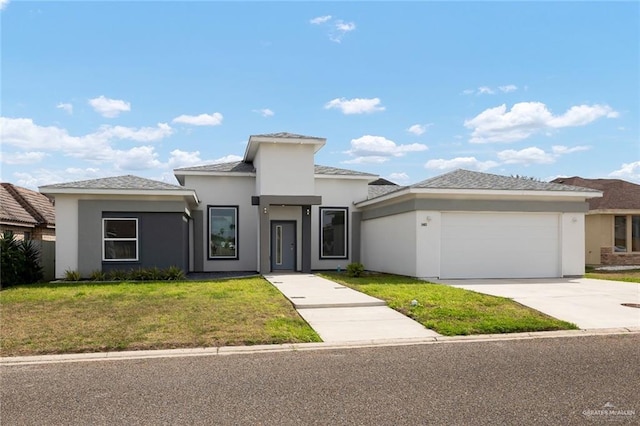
(98, 275)
(173, 273)
(20, 261)
(117, 275)
(70, 275)
(355, 269)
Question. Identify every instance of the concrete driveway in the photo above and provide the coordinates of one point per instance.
(588, 303)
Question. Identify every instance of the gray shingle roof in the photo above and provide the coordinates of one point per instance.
(285, 135)
(327, 170)
(234, 167)
(129, 182)
(465, 179)
(244, 167)
(379, 190)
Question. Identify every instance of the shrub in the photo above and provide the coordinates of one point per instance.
(355, 269)
(173, 273)
(117, 275)
(20, 263)
(70, 275)
(98, 275)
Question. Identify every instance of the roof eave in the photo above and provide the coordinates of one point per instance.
(255, 141)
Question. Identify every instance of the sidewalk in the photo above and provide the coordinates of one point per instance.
(340, 314)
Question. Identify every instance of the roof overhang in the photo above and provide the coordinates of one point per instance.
(255, 141)
(189, 195)
(480, 194)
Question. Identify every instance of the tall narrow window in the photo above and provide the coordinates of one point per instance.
(278, 244)
(120, 239)
(223, 232)
(333, 233)
(635, 233)
(620, 233)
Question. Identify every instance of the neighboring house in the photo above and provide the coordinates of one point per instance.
(277, 211)
(30, 215)
(612, 222)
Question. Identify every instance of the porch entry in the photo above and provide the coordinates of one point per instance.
(283, 245)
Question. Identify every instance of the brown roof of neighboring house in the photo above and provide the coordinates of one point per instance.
(24, 206)
(617, 194)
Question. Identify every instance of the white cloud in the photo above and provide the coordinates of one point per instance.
(265, 112)
(227, 159)
(31, 157)
(95, 147)
(484, 90)
(3, 4)
(214, 119)
(400, 178)
(508, 88)
(526, 118)
(38, 177)
(320, 20)
(628, 171)
(418, 129)
(560, 149)
(355, 106)
(378, 149)
(535, 155)
(526, 156)
(469, 163)
(109, 108)
(66, 107)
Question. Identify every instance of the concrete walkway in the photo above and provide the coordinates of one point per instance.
(588, 303)
(340, 314)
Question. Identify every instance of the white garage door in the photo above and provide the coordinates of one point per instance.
(500, 245)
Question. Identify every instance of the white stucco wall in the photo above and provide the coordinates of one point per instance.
(573, 243)
(229, 191)
(389, 244)
(335, 193)
(284, 169)
(66, 234)
(428, 228)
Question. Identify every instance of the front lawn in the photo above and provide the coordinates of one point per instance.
(630, 275)
(449, 310)
(91, 317)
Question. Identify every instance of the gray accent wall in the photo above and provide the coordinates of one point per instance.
(198, 240)
(356, 224)
(475, 205)
(161, 229)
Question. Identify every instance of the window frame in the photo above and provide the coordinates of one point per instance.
(628, 234)
(236, 209)
(105, 239)
(321, 211)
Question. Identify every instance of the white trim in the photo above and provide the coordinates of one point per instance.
(212, 173)
(105, 239)
(370, 178)
(255, 141)
(187, 194)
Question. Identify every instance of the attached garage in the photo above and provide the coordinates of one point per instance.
(500, 245)
(468, 224)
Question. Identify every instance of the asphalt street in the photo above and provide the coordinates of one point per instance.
(554, 381)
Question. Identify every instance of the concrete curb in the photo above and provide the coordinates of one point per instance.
(293, 347)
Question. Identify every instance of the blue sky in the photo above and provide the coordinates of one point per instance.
(403, 90)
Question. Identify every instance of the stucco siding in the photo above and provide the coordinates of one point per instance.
(337, 193)
(389, 244)
(428, 228)
(573, 243)
(225, 191)
(67, 234)
(284, 169)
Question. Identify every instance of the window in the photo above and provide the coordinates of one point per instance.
(120, 239)
(333, 233)
(626, 233)
(223, 232)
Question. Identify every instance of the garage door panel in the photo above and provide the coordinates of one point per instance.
(499, 245)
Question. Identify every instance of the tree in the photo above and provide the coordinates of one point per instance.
(20, 263)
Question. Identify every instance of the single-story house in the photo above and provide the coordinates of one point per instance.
(612, 225)
(29, 214)
(277, 211)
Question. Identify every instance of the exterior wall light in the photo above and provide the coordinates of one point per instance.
(264, 210)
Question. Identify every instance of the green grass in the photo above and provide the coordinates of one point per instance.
(630, 276)
(451, 311)
(90, 317)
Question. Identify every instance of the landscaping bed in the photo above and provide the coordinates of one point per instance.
(627, 275)
(449, 310)
(91, 317)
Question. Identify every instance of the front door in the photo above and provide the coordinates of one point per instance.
(283, 245)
